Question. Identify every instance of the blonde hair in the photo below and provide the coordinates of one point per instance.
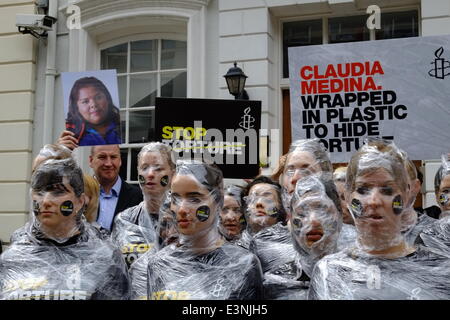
(92, 191)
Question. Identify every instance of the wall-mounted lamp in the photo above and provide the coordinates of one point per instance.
(235, 78)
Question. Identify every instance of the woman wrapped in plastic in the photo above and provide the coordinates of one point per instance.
(382, 265)
(60, 257)
(436, 235)
(201, 265)
(267, 235)
(316, 221)
(305, 157)
(347, 236)
(136, 228)
(232, 219)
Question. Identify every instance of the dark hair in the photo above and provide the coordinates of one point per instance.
(53, 171)
(209, 176)
(264, 179)
(75, 118)
(440, 175)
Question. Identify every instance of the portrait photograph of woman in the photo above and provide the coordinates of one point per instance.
(91, 107)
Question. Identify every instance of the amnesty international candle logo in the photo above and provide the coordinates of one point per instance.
(247, 120)
(441, 67)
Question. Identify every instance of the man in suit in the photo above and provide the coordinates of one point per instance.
(115, 194)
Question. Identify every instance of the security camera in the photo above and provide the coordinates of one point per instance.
(34, 24)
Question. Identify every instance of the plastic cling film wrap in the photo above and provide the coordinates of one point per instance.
(135, 233)
(84, 267)
(305, 157)
(356, 275)
(228, 272)
(57, 199)
(196, 202)
(232, 219)
(377, 190)
(316, 219)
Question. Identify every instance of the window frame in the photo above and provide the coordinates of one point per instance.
(128, 39)
(284, 82)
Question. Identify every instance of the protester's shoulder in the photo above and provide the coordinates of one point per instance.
(130, 214)
(236, 253)
(279, 232)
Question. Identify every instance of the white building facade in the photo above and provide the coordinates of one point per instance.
(174, 48)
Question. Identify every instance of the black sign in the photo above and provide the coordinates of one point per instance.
(224, 132)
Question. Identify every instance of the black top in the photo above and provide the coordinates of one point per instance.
(129, 196)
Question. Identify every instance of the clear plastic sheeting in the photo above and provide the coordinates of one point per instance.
(356, 275)
(316, 219)
(347, 237)
(316, 150)
(377, 189)
(436, 236)
(83, 268)
(200, 265)
(167, 234)
(155, 172)
(305, 157)
(226, 273)
(134, 233)
(51, 151)
(57, 199)
(167, 228)
(263, 205)
(274, 248)
(196, 202)
(383, 265)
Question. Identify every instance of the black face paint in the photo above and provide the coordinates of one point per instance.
(66, 208)
(164, 181)
(36, 207)
(443, 199)
(141, 180)
(356, 208)
(203, 213)
(397, 204)
(272, 211)
(297, 223)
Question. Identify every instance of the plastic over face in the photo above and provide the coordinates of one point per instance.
(154, 173)
(314, 220)
(56, 208)
(232, 220)
(299, 164)
(192, 205)
(263, 206)
(377, 204)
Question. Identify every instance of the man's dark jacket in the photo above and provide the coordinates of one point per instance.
(129, 196)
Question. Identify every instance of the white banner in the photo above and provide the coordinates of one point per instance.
(396, 89)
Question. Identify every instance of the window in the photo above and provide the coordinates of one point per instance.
(398, 25)
(146, 69)
(346, 29)
(299, 33)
